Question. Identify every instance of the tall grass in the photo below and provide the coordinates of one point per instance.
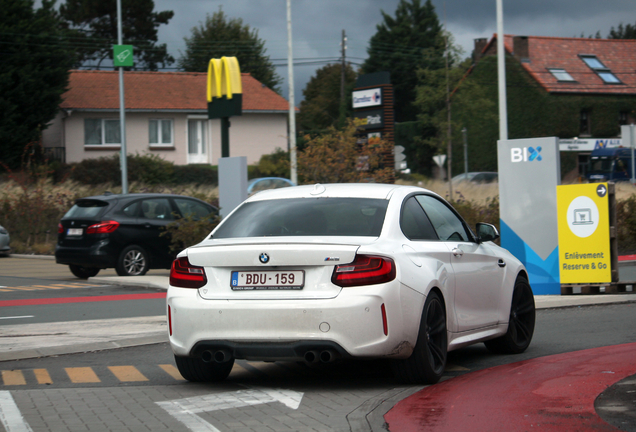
(31, 208)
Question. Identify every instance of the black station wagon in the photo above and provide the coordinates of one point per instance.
(122, 232)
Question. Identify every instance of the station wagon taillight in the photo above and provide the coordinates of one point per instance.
(364, 270)
(103, 227)
(185, 275)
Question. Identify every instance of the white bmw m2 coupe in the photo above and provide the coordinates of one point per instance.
(345, 271)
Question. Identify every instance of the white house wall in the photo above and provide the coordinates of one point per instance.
(251, 135)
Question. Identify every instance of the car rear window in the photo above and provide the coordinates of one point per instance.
(86, 209)
(306, 217)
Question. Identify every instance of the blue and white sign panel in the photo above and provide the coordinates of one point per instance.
(367, 98)
(529, 172)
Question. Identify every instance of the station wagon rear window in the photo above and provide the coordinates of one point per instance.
(306, 217)
(86, 209)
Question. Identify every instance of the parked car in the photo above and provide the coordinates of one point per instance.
(264, 183)
(122, 232)
(5, 239)
(326, 272)
(476, 177)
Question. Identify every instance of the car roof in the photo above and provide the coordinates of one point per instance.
(130, 196)
(337, 190)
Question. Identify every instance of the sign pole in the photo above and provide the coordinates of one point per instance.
(631, 144)
(122, 113)
(292, 109)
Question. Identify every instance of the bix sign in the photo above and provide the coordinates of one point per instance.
(525, 154)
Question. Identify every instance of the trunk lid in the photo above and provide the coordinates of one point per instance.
(271, 260)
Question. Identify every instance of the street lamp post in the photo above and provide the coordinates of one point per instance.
(464, 133)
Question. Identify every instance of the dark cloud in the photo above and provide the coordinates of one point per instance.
(317, 24)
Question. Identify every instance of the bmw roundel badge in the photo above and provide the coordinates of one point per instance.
(264, 258)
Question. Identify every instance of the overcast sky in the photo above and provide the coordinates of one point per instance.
(317, 24)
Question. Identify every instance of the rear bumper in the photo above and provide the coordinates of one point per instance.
(350, 325)
(97, 255)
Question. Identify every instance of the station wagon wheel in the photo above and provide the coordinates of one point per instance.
(520, 324)
(428, 360)
(133, 261)
(196, 370)
(83, 272)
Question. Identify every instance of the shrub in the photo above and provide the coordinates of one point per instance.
(275, 164)
(195, 174)
(188, 231)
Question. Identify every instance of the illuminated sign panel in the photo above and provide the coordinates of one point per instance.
(584, 235)
(367, 98)
(373, 119)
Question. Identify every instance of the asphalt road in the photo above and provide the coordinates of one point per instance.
(40, 291)
(139, 388)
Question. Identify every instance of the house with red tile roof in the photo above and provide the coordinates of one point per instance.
(571, 88)
(166, 115)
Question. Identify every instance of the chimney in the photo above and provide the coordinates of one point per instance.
(520, 48)
(480, 44)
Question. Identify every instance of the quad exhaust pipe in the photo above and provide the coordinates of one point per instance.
(218, 356)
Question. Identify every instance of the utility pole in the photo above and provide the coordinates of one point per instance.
(122, 114)
(501, 73)
(292, 109)
(449, 149)
(342, 71)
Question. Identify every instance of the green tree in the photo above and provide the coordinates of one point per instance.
(412, 40)
(96, 24)
(623, 32)
(321, 106)
(36, 58)
(221, 36)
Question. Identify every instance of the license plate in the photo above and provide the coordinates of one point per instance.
(268, 280)
(74, 232)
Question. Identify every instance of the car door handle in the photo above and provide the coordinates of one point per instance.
(458, 252)
(501, 263)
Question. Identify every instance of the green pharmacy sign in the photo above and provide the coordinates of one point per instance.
(122, 55)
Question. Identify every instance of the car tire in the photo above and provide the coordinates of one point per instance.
(428, 360)
(520, 324)
(196, 370)
(132, 261)
(83, 272)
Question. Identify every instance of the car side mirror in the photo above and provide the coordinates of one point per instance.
(486, 232)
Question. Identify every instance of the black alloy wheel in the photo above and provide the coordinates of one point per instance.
(133, 261)
(83, 272)
(521, 322)
(428, 360)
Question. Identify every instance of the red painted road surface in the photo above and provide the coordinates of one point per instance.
(553, 393)
(60, 300)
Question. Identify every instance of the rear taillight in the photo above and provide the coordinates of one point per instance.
(103, 227)
(364, 270)
(60, 228)
(185, 275)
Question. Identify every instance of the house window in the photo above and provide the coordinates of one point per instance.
(102, 132)
(603, 72)
(585, 123)
(561, 74)
(160, 132)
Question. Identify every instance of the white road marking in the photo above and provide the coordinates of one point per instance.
(17, 317)
(185, 410)
(10, 415)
